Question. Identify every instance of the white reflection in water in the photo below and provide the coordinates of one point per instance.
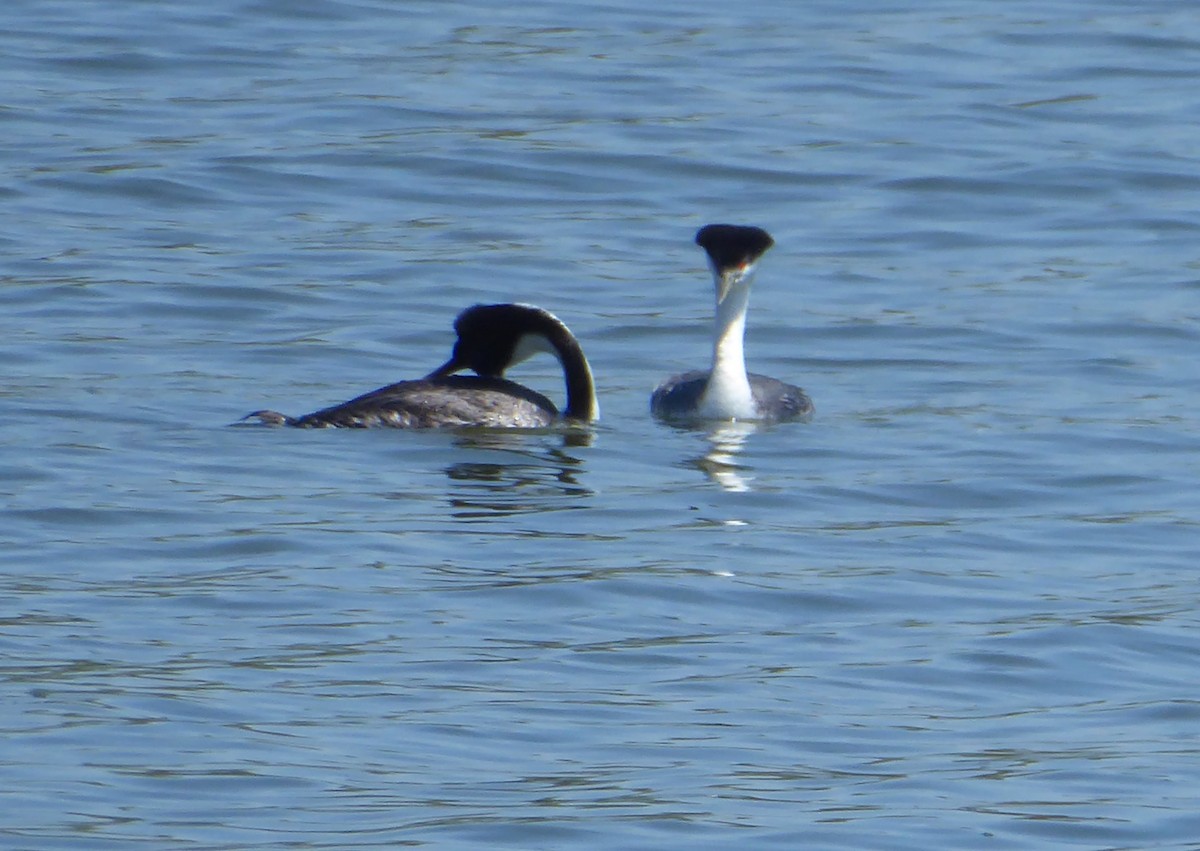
(720, 463)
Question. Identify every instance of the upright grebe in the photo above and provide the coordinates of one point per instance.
(727, 392)
(491, 338)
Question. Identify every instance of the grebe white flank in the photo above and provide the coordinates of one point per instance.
(491, 338)
(727, 392)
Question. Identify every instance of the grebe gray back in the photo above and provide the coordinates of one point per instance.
(491, 338)
(727, 391)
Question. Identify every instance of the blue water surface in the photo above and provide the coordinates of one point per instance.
(956, 610)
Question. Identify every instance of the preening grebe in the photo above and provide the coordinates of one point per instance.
(727, 392)
(491, 338)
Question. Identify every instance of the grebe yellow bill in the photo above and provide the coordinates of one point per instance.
(491, 338)
(727, 391)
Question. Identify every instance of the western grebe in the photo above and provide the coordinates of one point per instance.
(727, 392)
(491, 338)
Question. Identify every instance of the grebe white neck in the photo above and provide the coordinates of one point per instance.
(728, 394)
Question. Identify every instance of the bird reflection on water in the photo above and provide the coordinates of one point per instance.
(720, 463)
(518, 475)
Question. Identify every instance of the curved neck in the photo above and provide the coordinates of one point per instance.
(728, 394)
(581, 391)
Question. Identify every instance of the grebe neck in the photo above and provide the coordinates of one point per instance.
(728, 394)
(577, 373)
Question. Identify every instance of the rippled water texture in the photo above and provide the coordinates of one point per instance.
(956, 610)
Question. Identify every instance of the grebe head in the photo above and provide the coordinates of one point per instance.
(493, 337)
(733, 253)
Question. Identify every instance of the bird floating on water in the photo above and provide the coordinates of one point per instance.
(727, 391)
(491, 338)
